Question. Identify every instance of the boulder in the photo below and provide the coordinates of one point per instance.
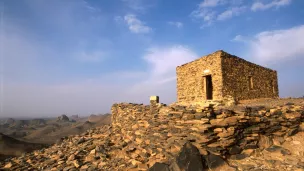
(188, 159)
(159, 167)
(265, 142)
(213, 161)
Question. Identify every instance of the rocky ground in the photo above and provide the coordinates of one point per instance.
(272, 102)
(104, 148)
(273, 155)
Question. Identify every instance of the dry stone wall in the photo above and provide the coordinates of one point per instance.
(231, 77)
(236, 79)
(160, 131)
(191, 82)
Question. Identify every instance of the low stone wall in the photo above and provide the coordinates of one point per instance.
(160, 131)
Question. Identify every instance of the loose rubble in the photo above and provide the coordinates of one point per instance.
(159, 137)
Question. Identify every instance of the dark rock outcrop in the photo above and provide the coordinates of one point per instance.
(63, 118)
(188, 159)
(159, 167)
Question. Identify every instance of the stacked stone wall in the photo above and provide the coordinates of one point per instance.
(191, 82)
(236, 78)
(231, 77)
(162, 133)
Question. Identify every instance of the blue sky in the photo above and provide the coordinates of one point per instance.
(81, 56)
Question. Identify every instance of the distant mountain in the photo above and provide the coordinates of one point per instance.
(63, 118)
(75, 118)
(10, 121)
(19, 136)
(18, 124)
(100, 119)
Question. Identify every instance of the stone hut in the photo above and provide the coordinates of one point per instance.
(220, 75)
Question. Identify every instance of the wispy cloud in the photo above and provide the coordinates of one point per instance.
(140, 6)
(161, 73)
(235, 11)
(136, 25)
(206, 15)
(273, 4)
(239, 38)
(97, 94)
(209, 12)
(135, 4)
(92, 56)
(163, 61)
(89, 7)
(276, 46)
(176, 24)
(212, 3)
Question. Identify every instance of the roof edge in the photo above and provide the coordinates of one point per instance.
(234, 56)
(222, 53)
(218, 51)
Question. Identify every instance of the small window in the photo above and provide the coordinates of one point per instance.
(250, 82)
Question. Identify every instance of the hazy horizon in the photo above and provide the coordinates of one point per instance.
(81, 56)
(37, 117)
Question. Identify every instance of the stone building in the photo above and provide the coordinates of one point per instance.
(220, 75)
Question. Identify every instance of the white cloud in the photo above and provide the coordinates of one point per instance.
(96, 95)
(176, 24)
(209, 10)
(235, 11)
(209, 14)
(90, 7)
(94, 56)
(161, 73)
(135, 25)
(134, 4)
(211, 3)
(274, 3)
(239, 38)
(163, 61)
(139, 5)
(118, 19)
(277, 46)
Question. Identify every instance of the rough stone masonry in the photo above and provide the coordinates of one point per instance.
(145, 136)
(220, 75)
(162, 130)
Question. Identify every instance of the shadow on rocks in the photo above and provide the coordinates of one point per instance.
(190, 159)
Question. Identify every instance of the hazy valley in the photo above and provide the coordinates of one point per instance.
(18, 136)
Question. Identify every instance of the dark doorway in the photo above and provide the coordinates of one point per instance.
(209, 87)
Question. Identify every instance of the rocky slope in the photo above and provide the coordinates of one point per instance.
(103, 149)
(19, 136)
(180, 138)
(12, 147)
